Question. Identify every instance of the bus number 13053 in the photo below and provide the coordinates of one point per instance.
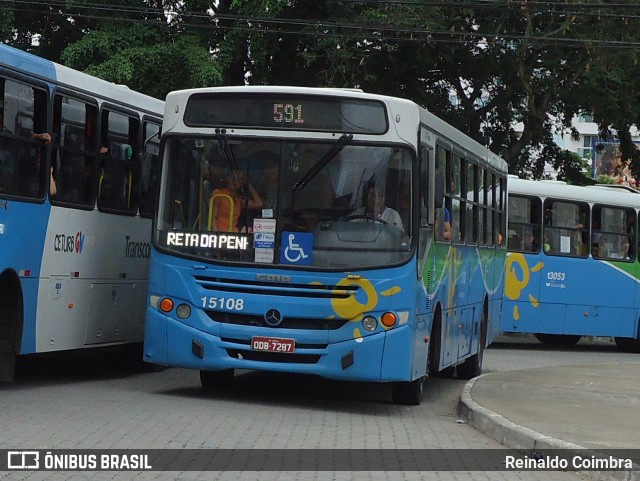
(555, 276)
(228, 303)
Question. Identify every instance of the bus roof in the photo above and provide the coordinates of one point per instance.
(53, 73)
(443, 130)
(600, 194)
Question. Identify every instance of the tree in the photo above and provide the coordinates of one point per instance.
(142, 44)
(505, 63)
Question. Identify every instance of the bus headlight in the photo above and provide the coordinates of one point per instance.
(369, 323)
(388, 319)
(183, 311)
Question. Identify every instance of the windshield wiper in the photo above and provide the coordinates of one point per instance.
(232, 165)
(335, 149)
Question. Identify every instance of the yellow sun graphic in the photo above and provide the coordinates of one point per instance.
(351, 308)
(518, 277)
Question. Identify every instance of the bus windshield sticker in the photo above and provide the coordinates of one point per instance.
(264, 225)
(264, 255)
(264, 244)
(296, 248)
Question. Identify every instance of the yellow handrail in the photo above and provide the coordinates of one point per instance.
(231, 209)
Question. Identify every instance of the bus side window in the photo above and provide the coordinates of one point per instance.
(150, 168)
(73, 122)
(524, 224)
(119, 175)
(566, 228)
(613, 233)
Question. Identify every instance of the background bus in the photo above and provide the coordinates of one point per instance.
(75, 243)
(330, 261)
(572, 267)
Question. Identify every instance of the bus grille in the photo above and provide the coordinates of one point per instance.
(287, 322)
(277, 289)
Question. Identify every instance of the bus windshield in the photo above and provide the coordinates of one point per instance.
(339, 204)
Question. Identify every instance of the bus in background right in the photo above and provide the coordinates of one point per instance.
(572, 265)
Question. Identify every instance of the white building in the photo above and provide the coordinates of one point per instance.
(602, 155)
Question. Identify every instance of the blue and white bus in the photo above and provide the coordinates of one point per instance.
(298, 230)
(78, 158)
(573, 266)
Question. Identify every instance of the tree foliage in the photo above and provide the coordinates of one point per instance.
(506, 63)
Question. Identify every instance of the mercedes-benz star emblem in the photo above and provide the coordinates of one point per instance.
(273, 317)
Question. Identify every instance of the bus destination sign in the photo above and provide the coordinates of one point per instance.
(290, 112)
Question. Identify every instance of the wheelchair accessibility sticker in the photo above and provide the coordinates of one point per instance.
(296, 248)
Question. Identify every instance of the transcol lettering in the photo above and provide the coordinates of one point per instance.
(137, 250)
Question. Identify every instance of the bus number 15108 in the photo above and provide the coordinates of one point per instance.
(228, 303)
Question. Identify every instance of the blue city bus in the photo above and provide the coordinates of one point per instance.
(301, 230)
(572, 265)
(75, 223)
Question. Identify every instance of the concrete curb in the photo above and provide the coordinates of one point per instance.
(526, 440)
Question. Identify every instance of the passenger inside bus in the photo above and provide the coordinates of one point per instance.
(228, 201)
(529, 242)
(115, 176)
(625, 249)
(548, 247)
(374, 208)
(46, 138)
(443, 224)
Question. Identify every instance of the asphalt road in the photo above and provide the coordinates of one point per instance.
(63, 402)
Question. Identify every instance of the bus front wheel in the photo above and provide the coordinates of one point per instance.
(472, 366)
(409, 393)
(11, 318)
(212, 380)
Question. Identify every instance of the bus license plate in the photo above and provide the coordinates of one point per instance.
(273, 344)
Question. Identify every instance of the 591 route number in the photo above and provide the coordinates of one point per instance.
(228, 303)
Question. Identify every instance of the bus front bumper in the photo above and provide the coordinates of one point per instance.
(381, 357)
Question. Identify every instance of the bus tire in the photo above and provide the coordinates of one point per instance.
(629, 344)
(558, 340)
(11, 317)
(213, 380)
(408, 393)
(472, 366)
